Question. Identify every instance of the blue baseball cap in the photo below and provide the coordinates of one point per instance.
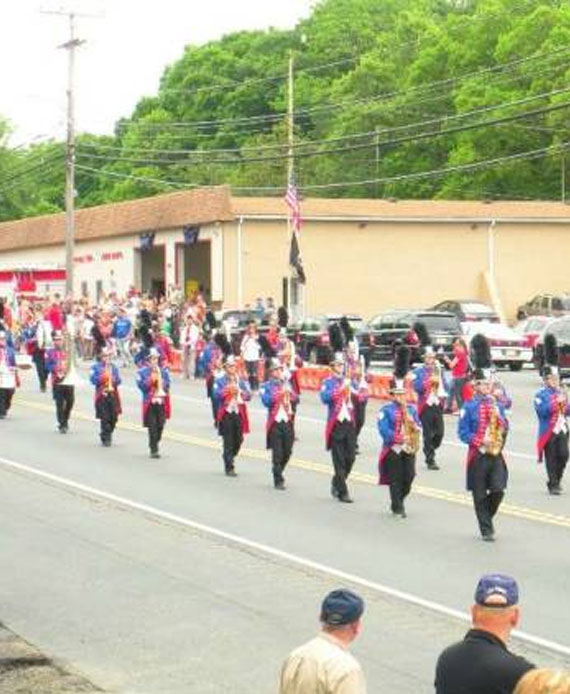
(497, 590)
(341, 607)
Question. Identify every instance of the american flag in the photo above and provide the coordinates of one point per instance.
(292, 201)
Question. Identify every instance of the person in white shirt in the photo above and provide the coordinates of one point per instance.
(250, 352)
(189, 339)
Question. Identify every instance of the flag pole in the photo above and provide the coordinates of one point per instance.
(290, 167)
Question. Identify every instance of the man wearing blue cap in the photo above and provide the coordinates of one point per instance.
(481, 663)
(324, 664)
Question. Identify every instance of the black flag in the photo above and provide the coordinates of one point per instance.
(295, 258)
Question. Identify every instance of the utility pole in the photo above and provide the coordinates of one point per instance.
(70, 46)
(290, 165)
(563, 178)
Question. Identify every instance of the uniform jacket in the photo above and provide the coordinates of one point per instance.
(390, 428)
(421, 377)
(98, 377)
(8, 353)
(333, 394)
(146, 387)
(474, 420)
(222, 397)
(271, 394)
(55, 366)
(547, 411)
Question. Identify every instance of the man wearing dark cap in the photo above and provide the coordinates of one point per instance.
(481, 663)
(324, 664)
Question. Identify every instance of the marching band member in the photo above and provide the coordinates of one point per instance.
(399, 427)
(212, 362)
(278, 396)
(290, 361)
(552, 409)
(482, 426)
(230, 395)
(58, 364)
(357, 373)
(153, 381)
(8, 374)
(340, 432)
(429, 386)
(105, 377)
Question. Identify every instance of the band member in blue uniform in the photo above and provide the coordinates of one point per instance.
(482, 426)
(58, 365)
(231, 394)
(399, 427)
(278, 396)
(153, 381)
(340, 432)
(428, 381)
(8, 374)
(552, 409)
(106, 378)
(212, 359)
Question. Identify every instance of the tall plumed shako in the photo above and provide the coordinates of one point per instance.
(210, 322)
(481, 356)
(402, 358)
(347, 329)
(267, 350)
(224, 344)
(335, 337)
(98, 339)
(551, 355)
(424, 337)
(282, 317)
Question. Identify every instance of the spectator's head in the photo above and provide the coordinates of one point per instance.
(496, 607)
(341, 612)
(544, 681)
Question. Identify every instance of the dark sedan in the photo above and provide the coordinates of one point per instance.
(468, 310)
(312, 336)
(377, 337)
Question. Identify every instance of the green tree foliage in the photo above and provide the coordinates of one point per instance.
(386, 91)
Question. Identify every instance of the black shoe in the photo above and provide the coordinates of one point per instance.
(42, 389)
(106, 443)
(334, 492)
(555, 491)
(2, 416)
(399, 513)
(154, 454)
(62, 430)
(488, 537)
(231, 473)
(279, 485)
(345, 499)
(432, 466)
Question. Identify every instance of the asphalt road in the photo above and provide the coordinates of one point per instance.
(166, 576)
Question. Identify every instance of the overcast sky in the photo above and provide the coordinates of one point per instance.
(128, 44)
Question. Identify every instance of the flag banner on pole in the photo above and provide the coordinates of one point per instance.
(295, 259)
(146, 241)
(191, 234)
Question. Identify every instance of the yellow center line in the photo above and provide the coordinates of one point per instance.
(460, 498)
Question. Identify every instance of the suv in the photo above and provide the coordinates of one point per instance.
(235, 322)
(560, 328)
(377, 338)
(312, 336)
(545, 305)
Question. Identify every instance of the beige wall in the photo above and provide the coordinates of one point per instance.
(368, 267)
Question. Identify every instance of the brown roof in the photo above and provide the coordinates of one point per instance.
(438, 209)
(115, 219)
(215, 204)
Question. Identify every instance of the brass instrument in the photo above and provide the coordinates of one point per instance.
(70, 375)
(108, 380)
(157, 383)
(495, 433)
(411, 432)
(362, 384)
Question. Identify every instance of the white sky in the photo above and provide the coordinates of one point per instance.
(129, 43)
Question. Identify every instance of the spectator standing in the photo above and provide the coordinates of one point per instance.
(189, 340)
(122, 332)
(250, 352)
(459, 366)
(481, 663)
(324, 664)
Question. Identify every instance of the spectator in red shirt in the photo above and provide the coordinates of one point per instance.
(55, 314)
(459, 366)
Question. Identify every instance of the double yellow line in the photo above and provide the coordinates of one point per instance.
(460, 498)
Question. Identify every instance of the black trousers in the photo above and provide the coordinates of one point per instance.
(39, 359)
(64, 397)
(280, 440)
(232, 436)
(251, 368)
(154, 422)
(487, 480)
(343, 451)
(6, 395)
(359, 415)
(432, 428)
(401, 469)
(106, 412)
(556, 457)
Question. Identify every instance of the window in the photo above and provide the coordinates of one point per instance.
(544, 303)
(557, 303)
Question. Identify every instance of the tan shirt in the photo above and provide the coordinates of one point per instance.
(322, 666)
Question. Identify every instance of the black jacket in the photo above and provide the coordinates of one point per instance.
(480, 664)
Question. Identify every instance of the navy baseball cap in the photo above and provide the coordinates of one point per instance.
(341, 607)
(497, 590)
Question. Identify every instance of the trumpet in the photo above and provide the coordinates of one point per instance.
(494, 431)
(411, 432)
(157, 383)
(108, 380)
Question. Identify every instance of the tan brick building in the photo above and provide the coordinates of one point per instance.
(359, 255)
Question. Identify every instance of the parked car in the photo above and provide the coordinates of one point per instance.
(560, 328)
(530, 329)
(312, 335)
(376, 339)
(468, 310)
(508, 348)
(235, 322)
(545, 305)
